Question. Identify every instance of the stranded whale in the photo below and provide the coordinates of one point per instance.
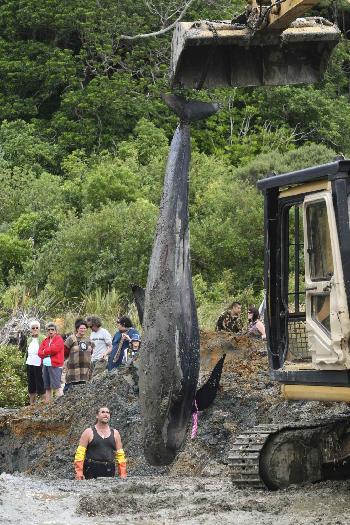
(169, 356)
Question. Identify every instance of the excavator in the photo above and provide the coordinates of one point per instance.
(307, 242)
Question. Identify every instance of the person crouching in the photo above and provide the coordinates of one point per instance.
(100, 449)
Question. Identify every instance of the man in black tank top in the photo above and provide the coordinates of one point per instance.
(100, 449)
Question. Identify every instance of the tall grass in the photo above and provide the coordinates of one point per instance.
(18, 298)
(111, 304)
(106, 305)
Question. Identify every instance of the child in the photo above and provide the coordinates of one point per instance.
(134, 346)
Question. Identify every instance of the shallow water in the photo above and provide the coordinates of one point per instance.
(166, 500)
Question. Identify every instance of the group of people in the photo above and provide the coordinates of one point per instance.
(83, 355)
(79, 357)
(230, 321)
(55, 364)
(100, 451)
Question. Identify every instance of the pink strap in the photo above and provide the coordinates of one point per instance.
(194, 421)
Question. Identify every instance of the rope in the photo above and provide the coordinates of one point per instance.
(194, 421)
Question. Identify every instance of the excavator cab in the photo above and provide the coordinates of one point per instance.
(307, 278)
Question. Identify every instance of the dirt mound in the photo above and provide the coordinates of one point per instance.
(43, 439)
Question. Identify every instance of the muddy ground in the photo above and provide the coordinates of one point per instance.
(40, 442)
(166, 500)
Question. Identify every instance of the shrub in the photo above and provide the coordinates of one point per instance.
(13, 382)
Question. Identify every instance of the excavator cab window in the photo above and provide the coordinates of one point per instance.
(307, 275)
(319, 242)
(296, 292)
(320, 259)
(323, 273)
(293, 282)
(320, 311)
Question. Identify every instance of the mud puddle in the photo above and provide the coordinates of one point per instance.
(167, 500)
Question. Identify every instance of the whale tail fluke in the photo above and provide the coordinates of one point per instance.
(190, 110)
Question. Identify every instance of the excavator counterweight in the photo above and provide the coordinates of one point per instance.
(207, 55)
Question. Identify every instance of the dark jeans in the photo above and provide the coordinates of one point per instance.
(98, 469)
(35, 380)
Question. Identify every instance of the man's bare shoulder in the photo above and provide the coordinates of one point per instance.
(88, 433)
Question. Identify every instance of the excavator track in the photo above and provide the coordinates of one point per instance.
(244, 457)
(249, 455)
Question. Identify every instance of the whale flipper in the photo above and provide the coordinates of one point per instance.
(207, 393)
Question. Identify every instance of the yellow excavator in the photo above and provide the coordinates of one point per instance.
(307, 243)
(307, 279)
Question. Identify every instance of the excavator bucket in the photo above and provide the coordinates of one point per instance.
(219, 54)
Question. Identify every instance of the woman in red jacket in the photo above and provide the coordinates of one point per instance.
(51, 352)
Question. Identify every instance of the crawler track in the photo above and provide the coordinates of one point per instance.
(244, 457)
(247, 452)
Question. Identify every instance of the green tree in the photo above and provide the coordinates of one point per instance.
(22, 146)
(105, 248)
(276, 162)
(13, 253)
(150, 141)
(14, 185)
(38, 227)
(226, 226)
(111, 179)
(310, 112)
(33, 75)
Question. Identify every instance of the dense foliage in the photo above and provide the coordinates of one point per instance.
(13, 379)
(84, 137)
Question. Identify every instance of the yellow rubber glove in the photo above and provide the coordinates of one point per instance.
(79, 462)
(120, 459)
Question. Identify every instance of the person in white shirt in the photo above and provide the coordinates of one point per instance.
(101, 341)
(33, 363)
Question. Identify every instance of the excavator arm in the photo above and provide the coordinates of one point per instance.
(267, 45)
(283, 13)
